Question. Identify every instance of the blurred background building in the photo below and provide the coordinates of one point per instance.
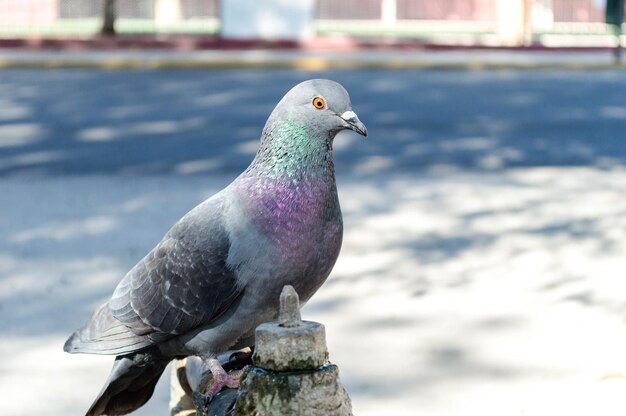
(465, 22)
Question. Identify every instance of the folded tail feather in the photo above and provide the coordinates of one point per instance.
(130, 384)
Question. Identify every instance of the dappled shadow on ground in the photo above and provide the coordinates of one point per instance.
(67, 242)
(473, 281)
(186, 122)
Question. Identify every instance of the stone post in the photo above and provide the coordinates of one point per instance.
(290, 374)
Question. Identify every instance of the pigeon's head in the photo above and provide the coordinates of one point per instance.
(321, 105)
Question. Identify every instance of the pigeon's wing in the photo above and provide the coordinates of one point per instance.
(183, 283)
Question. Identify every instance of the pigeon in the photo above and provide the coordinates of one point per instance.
(218, 272)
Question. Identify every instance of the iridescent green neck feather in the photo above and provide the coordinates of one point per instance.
(289, 150)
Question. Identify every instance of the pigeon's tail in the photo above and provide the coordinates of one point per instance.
(103, 334)
(130, 384)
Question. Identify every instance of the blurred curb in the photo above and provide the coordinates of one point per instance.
(322, 53)
(300, 63)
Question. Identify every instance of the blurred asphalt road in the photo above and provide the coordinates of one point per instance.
(482, 270)
(145, 122)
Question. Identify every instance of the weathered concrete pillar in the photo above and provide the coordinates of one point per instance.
(290, 374)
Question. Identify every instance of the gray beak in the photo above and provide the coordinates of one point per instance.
(354, 123)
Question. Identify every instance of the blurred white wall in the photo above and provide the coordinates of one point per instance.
(267, 19)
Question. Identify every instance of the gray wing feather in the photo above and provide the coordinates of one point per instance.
(103, 334)
(183, 283)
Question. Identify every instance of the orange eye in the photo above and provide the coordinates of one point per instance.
(319, 103)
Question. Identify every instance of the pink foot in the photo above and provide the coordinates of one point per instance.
(221, 378)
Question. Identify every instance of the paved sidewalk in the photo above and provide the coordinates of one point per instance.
(499, 293)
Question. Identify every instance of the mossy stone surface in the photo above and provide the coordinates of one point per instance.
(307, 393)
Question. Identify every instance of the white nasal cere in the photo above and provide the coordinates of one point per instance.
(348, 115)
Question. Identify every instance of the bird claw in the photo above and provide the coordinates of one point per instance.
(222, 379)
